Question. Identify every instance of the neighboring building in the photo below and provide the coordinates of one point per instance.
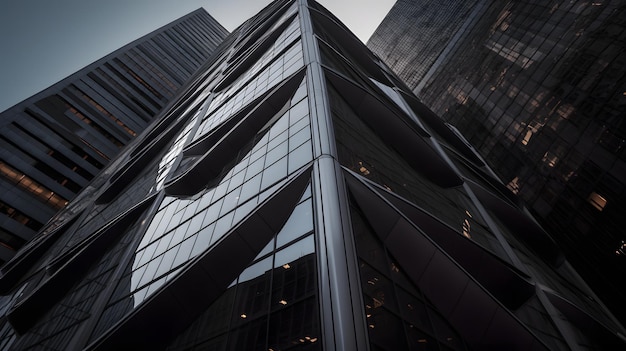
(53, 143)
(296, 195)
(539, 88)
(410, 56)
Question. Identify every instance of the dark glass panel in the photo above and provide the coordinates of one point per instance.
(396, 311)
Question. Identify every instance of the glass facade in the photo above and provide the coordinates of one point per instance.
(410, 55)
(294, 197)
(54, 143)
(536, 87)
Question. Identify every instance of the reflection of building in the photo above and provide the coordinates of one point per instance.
(53, 143)
(297, 196)
(539, 89)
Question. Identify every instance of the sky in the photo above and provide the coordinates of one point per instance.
(44, 41)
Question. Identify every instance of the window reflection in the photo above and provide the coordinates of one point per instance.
(256, 270)
(230, 101)
(300, 222)
(291, 296)
(597, 201)
(361, 150)
(397, 314)
(272, 305)
(184, 228)
(230, 202)
(293, 252)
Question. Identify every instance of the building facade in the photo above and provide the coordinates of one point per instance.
(437, 23)
(539, 88)
(296, 195)
(53, 143)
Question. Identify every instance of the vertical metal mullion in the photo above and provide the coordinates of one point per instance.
(342, 316)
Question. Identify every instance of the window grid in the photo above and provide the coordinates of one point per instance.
(183, 228)
(281, 67)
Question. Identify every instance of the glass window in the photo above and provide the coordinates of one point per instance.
(243, 210)
(395, 309)
(222, 226)
(274, 173)
(300, 156)
(184, 251)
(203, 239)
(231, 200)
(276, 153)
(294, 252)
(256, 270)
(251, 188)
(301, 136)
(300, 223)
(255, 167)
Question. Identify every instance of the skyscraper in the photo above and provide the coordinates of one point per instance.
(53, 143)
(436, 23)
(539, 89)
(296, 195)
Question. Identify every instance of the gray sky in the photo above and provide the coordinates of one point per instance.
(44, 41)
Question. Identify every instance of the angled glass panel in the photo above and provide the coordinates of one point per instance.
(397, 312)
(361, 150)
(398, 133)
(272, 303)
(253, 54)
(194, 287)
(249, 132)
(496, 273)
(347, 44)
(249, 87)
(605, 333)
(443, 130)
(200, 222)
(61, 291)
(477, 316)
(13, 271)
(273, 16)
(522, 225)
(194, 96)
(159, 138)
(167, 161)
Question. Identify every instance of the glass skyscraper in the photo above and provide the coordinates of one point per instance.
(414, 34)
(296, 195)
(54, 143)
(539, 88)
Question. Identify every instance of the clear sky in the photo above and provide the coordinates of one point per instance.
(44, 41)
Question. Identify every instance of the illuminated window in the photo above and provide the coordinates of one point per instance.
(104, 111)
(527, 137)
(514, 185)
(42, 193)
(91, 123)
(596, 200)
(550, 159)
(621, 250)
(363, 169)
